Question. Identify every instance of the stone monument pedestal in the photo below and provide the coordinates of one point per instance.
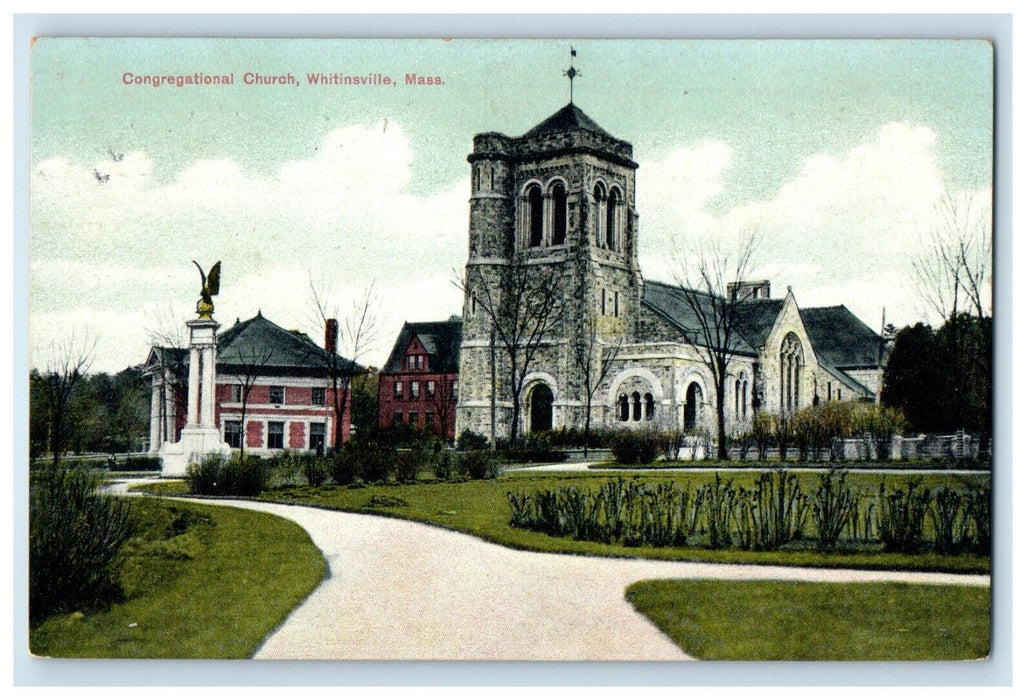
(200, 436)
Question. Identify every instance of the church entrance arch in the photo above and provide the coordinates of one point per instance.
(692, 400)
(541, 408)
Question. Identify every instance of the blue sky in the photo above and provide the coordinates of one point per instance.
(835, 152)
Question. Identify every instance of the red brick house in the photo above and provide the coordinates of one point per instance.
(419, 382)
(279, 379)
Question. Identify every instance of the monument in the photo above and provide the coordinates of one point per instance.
(200, 435)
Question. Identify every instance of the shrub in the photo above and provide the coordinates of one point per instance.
(478, 465)
(445, 465)
(342, 467)
(945, 507)
(534, 448)
(901, 515)
(75, 534)
(834, 506)
(135, 463)
(469, 441)
(408, 464)
(317, 470)
(288, 467)
(216, 475)
(635, 447)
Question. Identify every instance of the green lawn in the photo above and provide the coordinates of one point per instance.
(200, 582)
(480, 508)
(775, 621)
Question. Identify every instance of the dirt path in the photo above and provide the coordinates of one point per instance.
(403, 590)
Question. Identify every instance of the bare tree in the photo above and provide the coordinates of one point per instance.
(956, 265)
(710, 287)
(246, 367)
(360, 334)
(444, 400)
(64, 373)
(523, 307)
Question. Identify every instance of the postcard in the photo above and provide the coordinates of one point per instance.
(523, 350)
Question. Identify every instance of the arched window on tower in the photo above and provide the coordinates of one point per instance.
(559, 213)
(622, 408)
(599, 201)
(636, 406)
(650, 407)
(535, 211)
(612, 204)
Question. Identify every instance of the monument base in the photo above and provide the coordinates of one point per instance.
(194, 443)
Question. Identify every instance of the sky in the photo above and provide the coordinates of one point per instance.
(834, 153)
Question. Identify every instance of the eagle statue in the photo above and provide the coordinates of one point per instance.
(209, 289)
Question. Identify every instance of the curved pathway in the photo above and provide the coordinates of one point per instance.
(404, 590)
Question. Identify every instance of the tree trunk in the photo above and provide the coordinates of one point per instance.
(722, 439)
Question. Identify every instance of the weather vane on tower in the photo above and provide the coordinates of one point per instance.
(572, 73)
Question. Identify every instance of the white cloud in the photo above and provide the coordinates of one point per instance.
(844, 230)
(343, 215)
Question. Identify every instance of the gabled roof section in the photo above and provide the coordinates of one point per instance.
(840, 338)
(441, 339)
(672, 303)
(170, 359)
(569, 118)
(259, 341)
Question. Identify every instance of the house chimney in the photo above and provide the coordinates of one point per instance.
(330, 336)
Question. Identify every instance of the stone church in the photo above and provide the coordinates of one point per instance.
(558, 203)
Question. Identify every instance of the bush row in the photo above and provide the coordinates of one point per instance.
(355, 463)
(771, 513)
(820, 430)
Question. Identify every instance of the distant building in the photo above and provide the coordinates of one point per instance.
(290, 402)
(419, 382)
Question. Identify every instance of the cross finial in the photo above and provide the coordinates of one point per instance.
(572, 73)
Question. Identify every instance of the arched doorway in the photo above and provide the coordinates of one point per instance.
(692, 400)
(541, 408)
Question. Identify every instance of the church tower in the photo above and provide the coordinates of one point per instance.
(557, 203)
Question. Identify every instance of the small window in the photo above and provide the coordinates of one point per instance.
(236, 393)
(274, 440)
(830, 392)
(622, 408)
(414, 419)
(428, 420)
(603, 307)
(636, 406)
(276, 394)
(318, 396)
(650, 407)
(398, 390)
(231, 433)
(317, 437)
(455, 389)
(616, 304)
(430, 389)
(536, 206)
(414, 390)
(419, 362)
(412, 361)
(398, 418)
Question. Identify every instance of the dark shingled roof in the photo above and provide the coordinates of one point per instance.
(670, 303)
(441, 340)
(840, 338)
(277, 350)
(570, 118)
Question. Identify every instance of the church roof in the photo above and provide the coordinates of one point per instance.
(569, 118)
(259, 341)
(840, 338)
(441, 340)
(673, 304)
